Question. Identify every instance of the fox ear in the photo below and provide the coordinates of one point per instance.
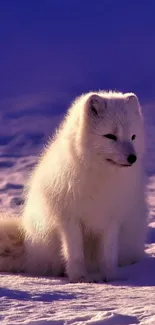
(132, 99)
(96, 105)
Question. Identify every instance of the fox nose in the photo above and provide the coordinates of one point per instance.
(131, 159)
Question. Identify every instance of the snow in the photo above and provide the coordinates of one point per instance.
(45, 300)
(27, 300)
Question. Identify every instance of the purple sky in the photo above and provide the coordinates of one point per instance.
(70, 46)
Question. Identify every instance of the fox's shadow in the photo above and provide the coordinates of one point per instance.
(46, 297)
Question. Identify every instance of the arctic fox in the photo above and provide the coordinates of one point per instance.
(85, 211)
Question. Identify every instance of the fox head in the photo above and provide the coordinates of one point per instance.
(112, 127)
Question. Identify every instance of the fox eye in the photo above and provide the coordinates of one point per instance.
(133, 137)
(111, 136)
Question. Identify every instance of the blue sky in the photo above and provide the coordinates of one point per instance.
(57, 46)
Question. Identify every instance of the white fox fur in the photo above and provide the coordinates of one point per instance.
(85, 208)
(12, 255)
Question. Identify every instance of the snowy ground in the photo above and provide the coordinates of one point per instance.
(25, 126)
